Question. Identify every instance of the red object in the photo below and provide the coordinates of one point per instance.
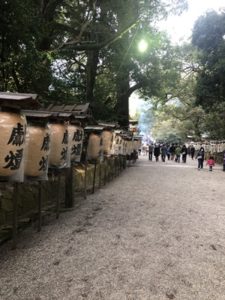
(211, 162)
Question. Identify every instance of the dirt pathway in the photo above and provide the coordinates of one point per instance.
(156, 232)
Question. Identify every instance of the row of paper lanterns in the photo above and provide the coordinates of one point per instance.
(29, 149)
(212, 147)
(111, 142)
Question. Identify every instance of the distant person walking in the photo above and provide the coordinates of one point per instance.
(211, 163)
(172, 151)
(163, 152)
(184, 153)
(139, 151)
(157, 152)
(144, 149)
(168, 151)
(192, 152)
(150, 151)
(200, 157)
(177, 153)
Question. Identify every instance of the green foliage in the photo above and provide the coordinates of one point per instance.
(24, 67)
(72, 51)
(208, 37)
(167, 129)
(214, 124)
(105, 97)
(174, 108)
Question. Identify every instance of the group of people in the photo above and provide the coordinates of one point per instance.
(179, 154)
(171, 152)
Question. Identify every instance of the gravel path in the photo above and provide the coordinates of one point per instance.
(156, 232)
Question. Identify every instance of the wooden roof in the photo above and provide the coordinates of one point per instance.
(36, 114)
(108, 125)
(18, 100)
(93, 128)
(78, 110)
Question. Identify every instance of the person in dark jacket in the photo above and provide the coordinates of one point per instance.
(172, 151)
(157, 152)
(200, 157)
(168, 152)
(150, 151)
(184, 153)
(177, 153)
(163, 152)
(192, 152)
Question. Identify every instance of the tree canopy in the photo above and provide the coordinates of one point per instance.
(194, 105)
(73, 51)
(209, 39)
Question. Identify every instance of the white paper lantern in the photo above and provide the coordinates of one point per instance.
(107, 139)
(37, 151)
(76, 136)
(13, 130)
(94, 146)
(59, 145)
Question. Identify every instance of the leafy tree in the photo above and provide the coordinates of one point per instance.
(208, 37)
(174, 107)
(214, 125)
(27, 29)
(67, 50)
(134, 71)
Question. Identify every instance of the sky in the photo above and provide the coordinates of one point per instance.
(179, 29)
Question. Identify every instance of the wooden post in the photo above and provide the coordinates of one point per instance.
(116, 166)
(15, 214)
(58, 195)
(107, 169)
(39, 205)
(105, 163)
(85, 179)
(93, 187)
(69, 201)
(100, 174)
(120, 163)
(111, 165)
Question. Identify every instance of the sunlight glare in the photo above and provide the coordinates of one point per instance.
(142, 46)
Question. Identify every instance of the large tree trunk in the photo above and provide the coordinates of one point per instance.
(122, 107)
(91, 70)
(124, 62)
(123, 94)
(123, 111)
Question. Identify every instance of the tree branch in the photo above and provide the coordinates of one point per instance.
(134, 88)
(81, 46)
